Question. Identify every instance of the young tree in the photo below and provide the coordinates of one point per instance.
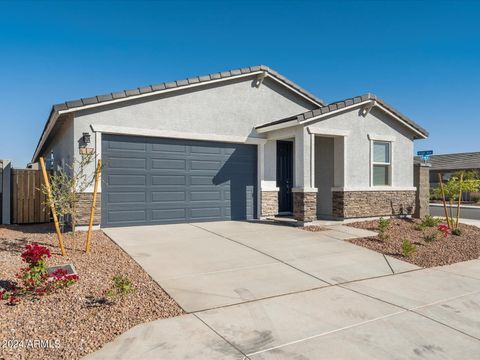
(66, 186)
(452, 190)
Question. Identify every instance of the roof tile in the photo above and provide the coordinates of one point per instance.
(119, 95)
(193, 80)
(132, 92)
(145, 89)
(74, 103)
(106, 97)
(90, 100)
(158, 87)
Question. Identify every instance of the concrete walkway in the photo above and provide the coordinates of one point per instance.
(259, 291)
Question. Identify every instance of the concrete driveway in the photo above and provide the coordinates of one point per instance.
(257, 291)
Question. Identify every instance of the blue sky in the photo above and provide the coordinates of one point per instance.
(422, 57)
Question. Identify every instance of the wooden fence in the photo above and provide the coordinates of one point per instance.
(28, 201)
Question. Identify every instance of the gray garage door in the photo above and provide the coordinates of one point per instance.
(156, 181)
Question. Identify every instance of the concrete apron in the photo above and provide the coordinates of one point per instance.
(209, 265)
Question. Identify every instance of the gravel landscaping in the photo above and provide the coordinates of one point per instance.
(441, 251)
(70, 319)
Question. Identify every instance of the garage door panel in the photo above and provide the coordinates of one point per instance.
(197, 195)
(127, 145)
(130, 180)
(169, 148)
(169, 180)
(206, 213)
(129, 216)
(169, 215)
(126, 197)
(205, 165)
(201, 180)
(163, 196)
(127, 163)
(176, 181)
(205, 149)
(169, 164)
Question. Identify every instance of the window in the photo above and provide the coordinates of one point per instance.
(381, 163)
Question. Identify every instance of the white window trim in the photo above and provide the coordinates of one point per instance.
(389, 164)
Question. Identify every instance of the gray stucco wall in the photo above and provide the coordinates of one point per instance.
(358, 146)
(231, 108)
(62, 143)
(324, 174)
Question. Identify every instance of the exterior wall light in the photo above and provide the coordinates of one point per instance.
(86, 138)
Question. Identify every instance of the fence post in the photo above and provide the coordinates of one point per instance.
(6, 191)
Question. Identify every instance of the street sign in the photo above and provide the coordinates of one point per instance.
(425, 154)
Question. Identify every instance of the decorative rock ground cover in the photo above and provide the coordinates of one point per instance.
(428, 252)
(71, 320)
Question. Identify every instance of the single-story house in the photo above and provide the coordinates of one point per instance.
(240, 144)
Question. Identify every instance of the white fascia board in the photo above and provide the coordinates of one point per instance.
(49, 128)
(327, 132)
(402, 121)
(375, 103)
(124, 130)
(277, 126)
(334, 112)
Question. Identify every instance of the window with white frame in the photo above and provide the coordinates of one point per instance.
(381, 163)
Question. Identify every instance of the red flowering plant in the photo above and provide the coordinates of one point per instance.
(35, 279)
(444, 229)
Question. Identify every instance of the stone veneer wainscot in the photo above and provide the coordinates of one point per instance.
(353, 204)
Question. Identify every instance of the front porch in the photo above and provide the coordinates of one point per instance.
(298, 170)
(303, 172)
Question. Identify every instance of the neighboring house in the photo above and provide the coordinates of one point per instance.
(240, 144)
(449, 164)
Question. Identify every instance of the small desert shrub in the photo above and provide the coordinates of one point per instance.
(383, 225)
(420, 227)
(431, 236)
(408, 248)
(121, 286)
(457, 232)
(430, 221)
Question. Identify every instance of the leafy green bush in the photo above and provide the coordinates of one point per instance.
(408, 248)
(121, 286)
(475, 198)
(430, 221)
(420, 227)
(457, 231)
(431, 236)
(383, 225)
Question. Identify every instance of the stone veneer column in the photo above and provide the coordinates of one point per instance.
(84, 207)
(421, 176)
(269, 203)
(305, 206)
